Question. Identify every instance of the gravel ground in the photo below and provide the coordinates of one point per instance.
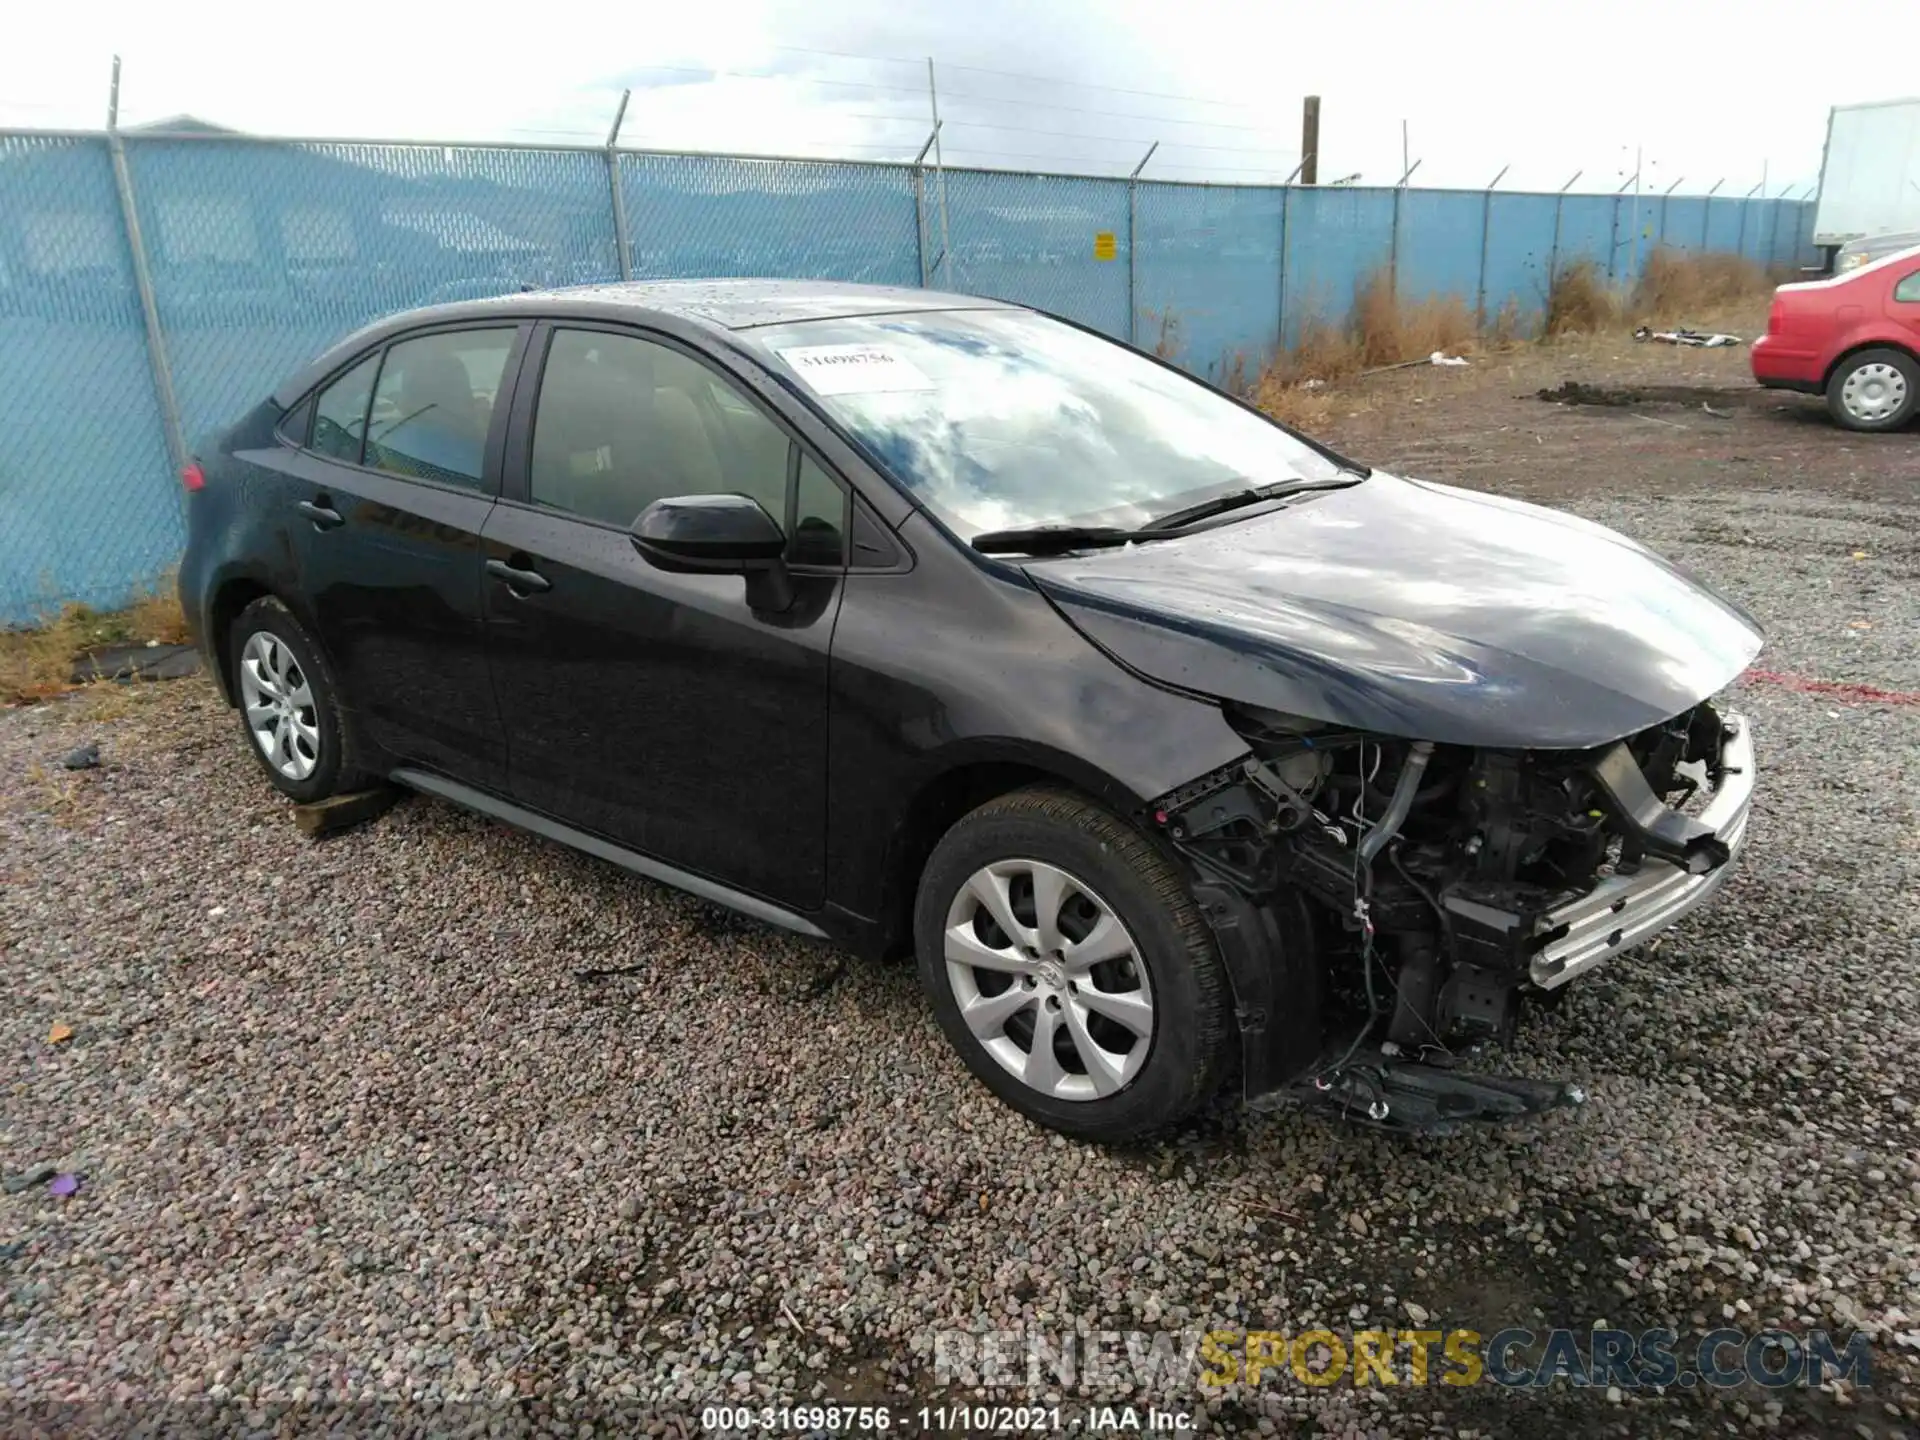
(437, 1110)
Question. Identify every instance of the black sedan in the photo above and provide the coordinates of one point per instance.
(1174, 744)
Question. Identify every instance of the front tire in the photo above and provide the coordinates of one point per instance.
(1874, 390)
(289, 705)
(1067, 963)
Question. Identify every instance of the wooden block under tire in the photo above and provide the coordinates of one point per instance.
(340, 812)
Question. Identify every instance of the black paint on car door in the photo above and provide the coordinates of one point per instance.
(390, 511)
(657, 709)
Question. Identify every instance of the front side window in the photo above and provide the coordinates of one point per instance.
(1908, 289)
(622, 422)
(340, 416)
(434, 403)
(999, 419)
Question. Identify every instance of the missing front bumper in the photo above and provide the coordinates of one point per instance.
(1623, 911)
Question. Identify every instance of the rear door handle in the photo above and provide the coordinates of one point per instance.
(521, 582)
(324, 517)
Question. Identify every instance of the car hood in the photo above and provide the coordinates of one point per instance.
(1406, 608)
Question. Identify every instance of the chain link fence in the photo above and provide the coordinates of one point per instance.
(257, 254)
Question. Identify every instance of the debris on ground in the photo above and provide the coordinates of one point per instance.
(1438, 357)
(341, 812)
(1579, 392)
(610, 972)
(29, 1179)
(59, 1034)
(1698, 339)
(65, 1185)
(136, 660)
(86, 757)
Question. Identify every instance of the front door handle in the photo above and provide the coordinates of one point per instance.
(521, 582)
(323, 515)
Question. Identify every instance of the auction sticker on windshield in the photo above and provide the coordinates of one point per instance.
(855, 369)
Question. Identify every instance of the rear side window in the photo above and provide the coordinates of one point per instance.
(295, 424)
(434, 403)
(1908, 289)
(340, 417)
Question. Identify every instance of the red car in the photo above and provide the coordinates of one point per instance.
(1854, 338)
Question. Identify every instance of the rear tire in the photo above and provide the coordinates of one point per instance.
(1874, 390)
(289, 705)
(1122, 978)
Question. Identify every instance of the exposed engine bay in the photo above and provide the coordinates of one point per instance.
(1411, 896)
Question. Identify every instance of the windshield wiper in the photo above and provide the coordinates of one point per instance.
(1252, 495)
(1046, 539)
(1053, 539)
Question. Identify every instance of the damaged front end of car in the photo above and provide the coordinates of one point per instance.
(1384, 906)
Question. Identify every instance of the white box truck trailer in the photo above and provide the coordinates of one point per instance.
(1870, 173)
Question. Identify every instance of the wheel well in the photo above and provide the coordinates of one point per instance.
(1853, 350)
(228, 602)
(933, 812)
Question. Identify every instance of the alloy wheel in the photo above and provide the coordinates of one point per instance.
(279, 705)
(1874, 392)
(1049, 980)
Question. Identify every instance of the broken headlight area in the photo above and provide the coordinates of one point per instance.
(1423, 891)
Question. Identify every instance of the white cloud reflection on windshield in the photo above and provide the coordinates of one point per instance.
(1031, 422)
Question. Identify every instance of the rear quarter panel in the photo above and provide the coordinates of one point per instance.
(238, 533)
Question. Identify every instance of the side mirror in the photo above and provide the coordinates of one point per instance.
(717, 535)
(708, 534)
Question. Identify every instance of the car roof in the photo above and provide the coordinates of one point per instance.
(731, 304)
(1882, 244)
(743, 304)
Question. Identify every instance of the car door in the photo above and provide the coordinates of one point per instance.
(398, 474)
(661, 710)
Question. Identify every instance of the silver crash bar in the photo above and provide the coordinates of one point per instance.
(1627, 910)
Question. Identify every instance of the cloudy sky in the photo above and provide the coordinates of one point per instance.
(1706, 89)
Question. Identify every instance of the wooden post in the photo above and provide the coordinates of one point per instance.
(1310, 141)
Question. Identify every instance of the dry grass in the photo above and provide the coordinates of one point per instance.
(37, 663)
(1505, 331)
(1676, 287)
(1323, 352)
(1384, 331)
(156, 615)
(1166, 343)
(1298, 405)
(1388, 331)
(1381, 331)
(1579, 302)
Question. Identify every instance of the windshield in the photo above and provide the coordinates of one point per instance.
(1001, 419)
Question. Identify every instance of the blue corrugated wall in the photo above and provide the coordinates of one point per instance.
(263, 253)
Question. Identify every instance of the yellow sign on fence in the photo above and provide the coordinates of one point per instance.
(1104, 247)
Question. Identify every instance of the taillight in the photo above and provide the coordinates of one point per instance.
(192, 477)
